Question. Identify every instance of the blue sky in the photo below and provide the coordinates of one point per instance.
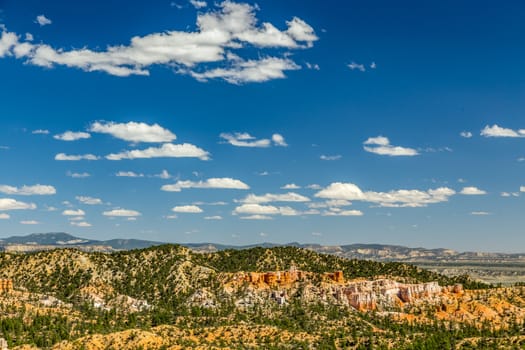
(238, 122)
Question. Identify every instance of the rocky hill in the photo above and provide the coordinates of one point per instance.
(169, 296)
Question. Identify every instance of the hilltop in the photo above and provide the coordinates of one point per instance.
(281, 297)
(487, 267)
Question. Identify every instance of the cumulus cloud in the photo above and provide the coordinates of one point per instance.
(222, 182)
(42, 20)
(466, 134)
(381, 145)
(291, 186)
(270, 197)
(258, 209)
(192, 209)
(72, 136)
(397, 198)
(167, 150)
(28, 190)
(89, 200)
(497, 131)
(121, 213)
(221, 30)
(278, 140)
(63, 156)
(472, 191)
(244, 140)
(522, 188)
(71, 212)
(4, 216)
(128, 174)
(198, 4)
(134, 132)
(334, 157)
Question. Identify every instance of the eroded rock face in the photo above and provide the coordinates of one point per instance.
(366, 295)
(362, 295)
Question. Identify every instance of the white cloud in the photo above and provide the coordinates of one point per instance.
(397, 198)
(7, 42)
(76, 218)
(28, 190)
(313, 66)
(29, 222)
(354, 66)
(218, 183)
(381, 145)
(134, 132)
(193, 209)
(78, 175)
(215, 217)
(233, 26)
(291, 186)
(510, 194)
(522, 188)
(63, 156)
(198, 4)
(89, 200)
(337, 212)
(256, 217)
(80, 224)
(466, 134)
(171, 217)
(167, 150)
(121, 213)
(373, 65)
(258, 209)
(71, 212)
(269, 197)
(278, 140)
(40, 132)
(497, 131)
(128, 174)
(42, 20)
(246, 71)
(317, 234)
(165, 175)
(480, 213)
(244, 140)
(4, 216)
(314, 187)
(334, 157)
(472, 191)
(72, 136)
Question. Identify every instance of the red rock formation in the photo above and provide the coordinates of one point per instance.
(336, 276)
(6, 285)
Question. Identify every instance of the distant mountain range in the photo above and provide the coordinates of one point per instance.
(379, 252)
